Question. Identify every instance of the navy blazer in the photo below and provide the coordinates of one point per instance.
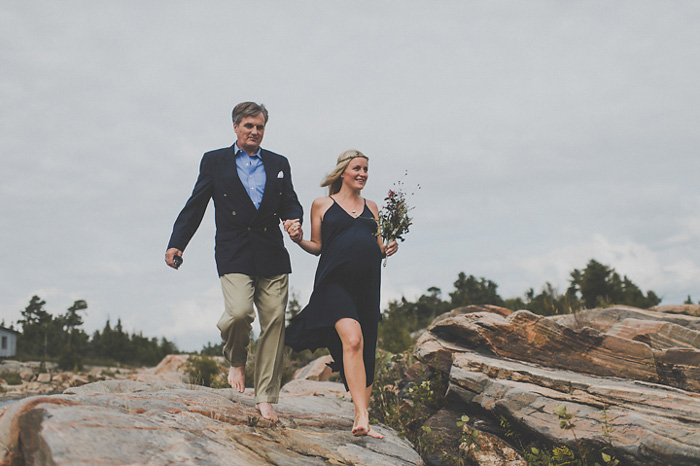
(248, 240)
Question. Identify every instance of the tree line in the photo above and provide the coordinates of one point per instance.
(596, 285)
(44, 336)
(60, 338)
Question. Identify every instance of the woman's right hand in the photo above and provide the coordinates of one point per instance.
(293, 227)
(297, 236)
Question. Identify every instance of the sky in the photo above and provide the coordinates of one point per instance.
(543, 134)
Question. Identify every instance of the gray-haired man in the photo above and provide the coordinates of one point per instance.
(252, 192)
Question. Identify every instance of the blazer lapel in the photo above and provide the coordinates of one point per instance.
(271, 169)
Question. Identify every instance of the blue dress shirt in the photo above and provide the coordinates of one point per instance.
(251, 171)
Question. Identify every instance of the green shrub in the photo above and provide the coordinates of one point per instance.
(539, 454)
(402, 405)
(202, 370)
(11, 377)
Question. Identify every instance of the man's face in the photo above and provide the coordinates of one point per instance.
(250, 132)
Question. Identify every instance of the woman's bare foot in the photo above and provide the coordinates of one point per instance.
(359, 430)
(267, 411)
(236, 378)
(361, 426)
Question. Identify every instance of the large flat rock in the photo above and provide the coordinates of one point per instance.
(129, 422)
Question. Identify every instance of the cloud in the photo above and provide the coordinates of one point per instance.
(669, 277)
(191, 322)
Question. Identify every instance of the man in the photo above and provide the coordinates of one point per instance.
(252, 192)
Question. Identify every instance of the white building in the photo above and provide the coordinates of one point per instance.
(8, 343)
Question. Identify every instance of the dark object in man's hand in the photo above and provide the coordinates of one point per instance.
(177, 260)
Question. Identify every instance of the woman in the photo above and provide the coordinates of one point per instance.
(343, 312)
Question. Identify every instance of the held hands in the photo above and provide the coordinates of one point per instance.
(170, 255)
(293, 227)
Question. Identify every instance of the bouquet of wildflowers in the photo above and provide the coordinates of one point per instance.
(394, 220)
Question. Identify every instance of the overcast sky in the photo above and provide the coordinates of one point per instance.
(542, 133)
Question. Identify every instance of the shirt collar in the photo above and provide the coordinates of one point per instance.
(237, 151)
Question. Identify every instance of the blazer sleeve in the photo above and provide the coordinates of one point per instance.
(290, 208)
(191, 215)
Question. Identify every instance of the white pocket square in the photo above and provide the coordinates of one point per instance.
(280, 175)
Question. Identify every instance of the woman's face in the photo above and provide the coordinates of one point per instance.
(356, 174)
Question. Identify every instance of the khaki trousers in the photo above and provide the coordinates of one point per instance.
(270, 296)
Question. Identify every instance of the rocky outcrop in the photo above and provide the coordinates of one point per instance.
(318, 369)
(629, 377)
(170, 369)
(122, 422)
(687, 309)
(24, 379)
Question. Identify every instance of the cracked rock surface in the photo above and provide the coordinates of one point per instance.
(122, 422)
(630, 377)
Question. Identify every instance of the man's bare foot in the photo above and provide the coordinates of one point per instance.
(236, 378)
(267, 411)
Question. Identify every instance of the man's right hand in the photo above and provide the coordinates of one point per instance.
(170, 256)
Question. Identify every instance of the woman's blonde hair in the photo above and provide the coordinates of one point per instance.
(333, 180)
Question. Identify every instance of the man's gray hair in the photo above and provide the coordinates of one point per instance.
(247, 109)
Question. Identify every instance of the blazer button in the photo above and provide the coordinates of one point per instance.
(265, 229)
(225, 195)
(249, 228)
(233, 213)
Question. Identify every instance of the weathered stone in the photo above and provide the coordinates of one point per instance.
(317, 369)
(39, 388)
(170, 369)
(435, 353)
(628, 376)
(642, 417)
(44, 378)
(473, 308)
(10, 365)
(491, 451)
(687, 309)
(167, 423)
(77, 380)
(528, 337)
(603, 319)
(416, 372)
(656, 334)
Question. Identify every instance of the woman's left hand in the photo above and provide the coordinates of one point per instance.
(391, 248)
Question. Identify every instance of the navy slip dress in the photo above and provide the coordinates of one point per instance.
(346, 285)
